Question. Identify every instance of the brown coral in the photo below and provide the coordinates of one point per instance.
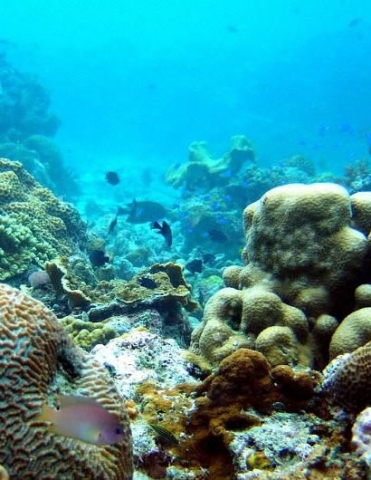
(347, 379)
(353, 332)
(38, 360)
(303, 262)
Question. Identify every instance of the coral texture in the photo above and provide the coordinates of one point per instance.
(303, 263)
(353, 332)
(34, 225)
(38, 361)
(346, 379)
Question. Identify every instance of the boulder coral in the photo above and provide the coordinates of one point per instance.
(34, 225)
(38, 361)
(304, 261)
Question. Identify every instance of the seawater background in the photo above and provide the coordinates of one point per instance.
(135, 81)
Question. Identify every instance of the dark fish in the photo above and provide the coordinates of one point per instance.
(194, 266)
(208, 258)
(147, 283)
(165, 231)
(164, 434)
(217, 236)
(142, 212)
(112, 225)
(112, 178)
(98, 258)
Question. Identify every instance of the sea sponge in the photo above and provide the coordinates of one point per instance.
(38, 360)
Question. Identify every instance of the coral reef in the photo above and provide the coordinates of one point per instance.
(26, 128)
(303, 264)
(346, 379)
(361, 436)
(34, 225)
(38, 361)
(87, 334)
(246, 420)
(140, 356)
(203, 171)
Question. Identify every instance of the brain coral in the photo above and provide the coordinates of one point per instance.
(37, 360)
(34, 225)
(303, 261)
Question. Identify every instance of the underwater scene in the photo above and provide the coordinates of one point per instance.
(185, 246)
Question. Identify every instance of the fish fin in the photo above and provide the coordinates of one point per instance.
(156, 226)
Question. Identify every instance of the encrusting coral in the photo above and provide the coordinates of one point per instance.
(303, 263)
(38, 361)
(34, 225)
(346, 379)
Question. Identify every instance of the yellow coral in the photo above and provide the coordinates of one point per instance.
(34, 225)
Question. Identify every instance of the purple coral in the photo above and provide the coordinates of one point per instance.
(362, 435)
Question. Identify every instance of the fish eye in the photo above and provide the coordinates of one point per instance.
(118, 431)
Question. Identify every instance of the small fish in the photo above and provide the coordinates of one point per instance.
(98, 258)
(164, 230)
(112, 178)
(208, 258)
(194, 266)
(164, 434)
(84, 419)
(147, 283)
(217, 236)
(112, 225)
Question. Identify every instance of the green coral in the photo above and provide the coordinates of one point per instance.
(87, 334)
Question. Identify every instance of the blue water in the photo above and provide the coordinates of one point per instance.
(135, 81)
